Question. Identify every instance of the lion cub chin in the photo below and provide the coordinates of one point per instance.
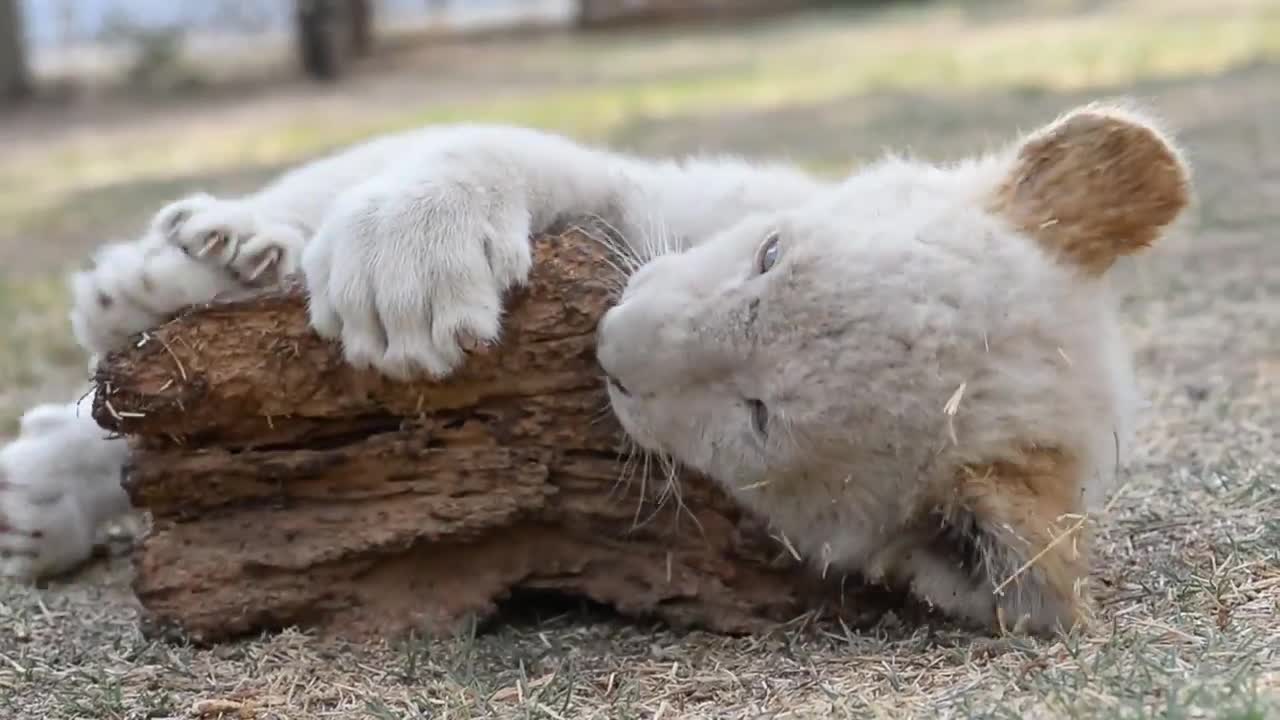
(917, 375)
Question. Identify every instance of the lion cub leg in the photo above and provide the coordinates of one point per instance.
(1029, 534)
(1005, 549)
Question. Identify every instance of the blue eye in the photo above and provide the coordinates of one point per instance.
(768, 253)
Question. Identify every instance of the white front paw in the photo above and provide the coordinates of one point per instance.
(409, 272)
(229, 234)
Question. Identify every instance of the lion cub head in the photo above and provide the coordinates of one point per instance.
(917, 375)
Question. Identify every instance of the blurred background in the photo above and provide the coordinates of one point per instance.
(109, 108)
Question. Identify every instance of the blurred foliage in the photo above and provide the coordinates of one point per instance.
(158, 65)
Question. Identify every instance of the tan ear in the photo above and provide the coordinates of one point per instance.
(1098, 183)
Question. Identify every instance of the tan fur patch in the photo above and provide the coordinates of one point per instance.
(1094, 186)
(1029, 507)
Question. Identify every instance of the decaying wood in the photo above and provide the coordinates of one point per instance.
(287, 488)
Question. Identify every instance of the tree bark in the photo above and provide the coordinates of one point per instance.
(286, 488)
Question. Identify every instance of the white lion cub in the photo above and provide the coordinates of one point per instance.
(914, 374)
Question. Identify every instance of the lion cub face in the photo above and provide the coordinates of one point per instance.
(916, 375)
(764, 356)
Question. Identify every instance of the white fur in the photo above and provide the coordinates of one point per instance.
(407, 242)
(891, 292)
(894, 289)
(59, 481)
(412, 263)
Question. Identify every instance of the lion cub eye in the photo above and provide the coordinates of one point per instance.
(759, 417)
(768, 253)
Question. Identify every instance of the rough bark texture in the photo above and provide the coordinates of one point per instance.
(287, 488)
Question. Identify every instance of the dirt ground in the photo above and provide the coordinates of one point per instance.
(1188, 568)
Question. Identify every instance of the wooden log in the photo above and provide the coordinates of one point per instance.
(288, 489)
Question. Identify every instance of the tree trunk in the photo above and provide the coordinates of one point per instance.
(15, 74)
(286, 488)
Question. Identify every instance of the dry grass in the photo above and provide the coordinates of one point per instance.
(1188, 573)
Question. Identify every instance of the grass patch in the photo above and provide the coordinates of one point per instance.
(817, 58)
(36, 345)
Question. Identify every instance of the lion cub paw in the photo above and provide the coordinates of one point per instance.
(59, 480)
(134, 286)
(256, 250)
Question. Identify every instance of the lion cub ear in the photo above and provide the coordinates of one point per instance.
(1098, 183)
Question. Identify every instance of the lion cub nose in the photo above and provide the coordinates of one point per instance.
(611, 351)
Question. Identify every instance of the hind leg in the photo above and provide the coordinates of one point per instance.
(60, 478)
(255, 248)
(1029, 527)
(135, 286)
(59, 482)
(1006, 549)
(196, 248)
